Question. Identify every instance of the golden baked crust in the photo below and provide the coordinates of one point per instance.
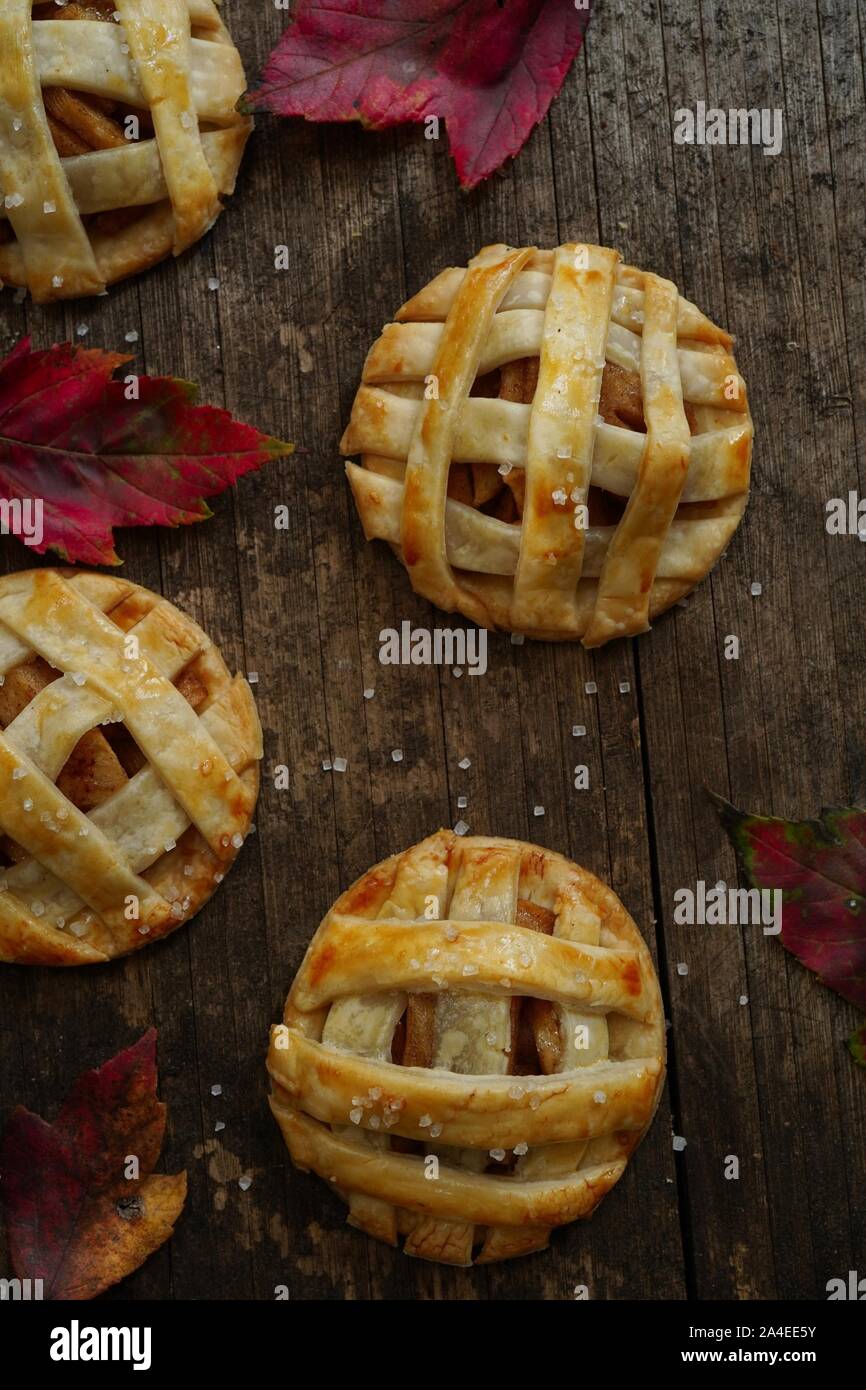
(128, 767)
(482, 1003)
(89, 196)
(577, 499)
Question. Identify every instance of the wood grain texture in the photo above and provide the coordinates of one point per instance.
(772, 247)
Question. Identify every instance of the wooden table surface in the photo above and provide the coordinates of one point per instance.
(771, 247)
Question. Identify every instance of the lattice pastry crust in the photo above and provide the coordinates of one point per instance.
(85, 204)
(485, 1004)
(553, 443)
(128, 767)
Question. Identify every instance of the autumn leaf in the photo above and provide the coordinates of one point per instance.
(488, 68)
(820, 868)
(71, 437)
(857, 1045)
(73, 1217)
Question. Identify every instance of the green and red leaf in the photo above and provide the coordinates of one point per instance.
(820, 868)
(75, 1218)
(488, 68)
(100, 452)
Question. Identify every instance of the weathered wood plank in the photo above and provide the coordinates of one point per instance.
(684, 682)
(789, 665)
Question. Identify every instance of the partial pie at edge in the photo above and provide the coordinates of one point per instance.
(552, 442)
(82, 205)
(128, 767)
(485, 1002)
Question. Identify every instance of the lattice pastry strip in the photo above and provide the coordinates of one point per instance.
(431, 447)
(67, 161)
(151, 834)
(471, 1034)
(158, 35)
(632, 558)
(366, 1023)
(405, 1039)
(636, 400)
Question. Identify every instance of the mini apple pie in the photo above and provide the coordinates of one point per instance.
(552, 442)
(128, 767)
(118, 137)
(472, 1049)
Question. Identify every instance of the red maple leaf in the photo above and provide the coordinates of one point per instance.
(80, 1215)
(820, 868)
(100, 452)
(489, 68)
